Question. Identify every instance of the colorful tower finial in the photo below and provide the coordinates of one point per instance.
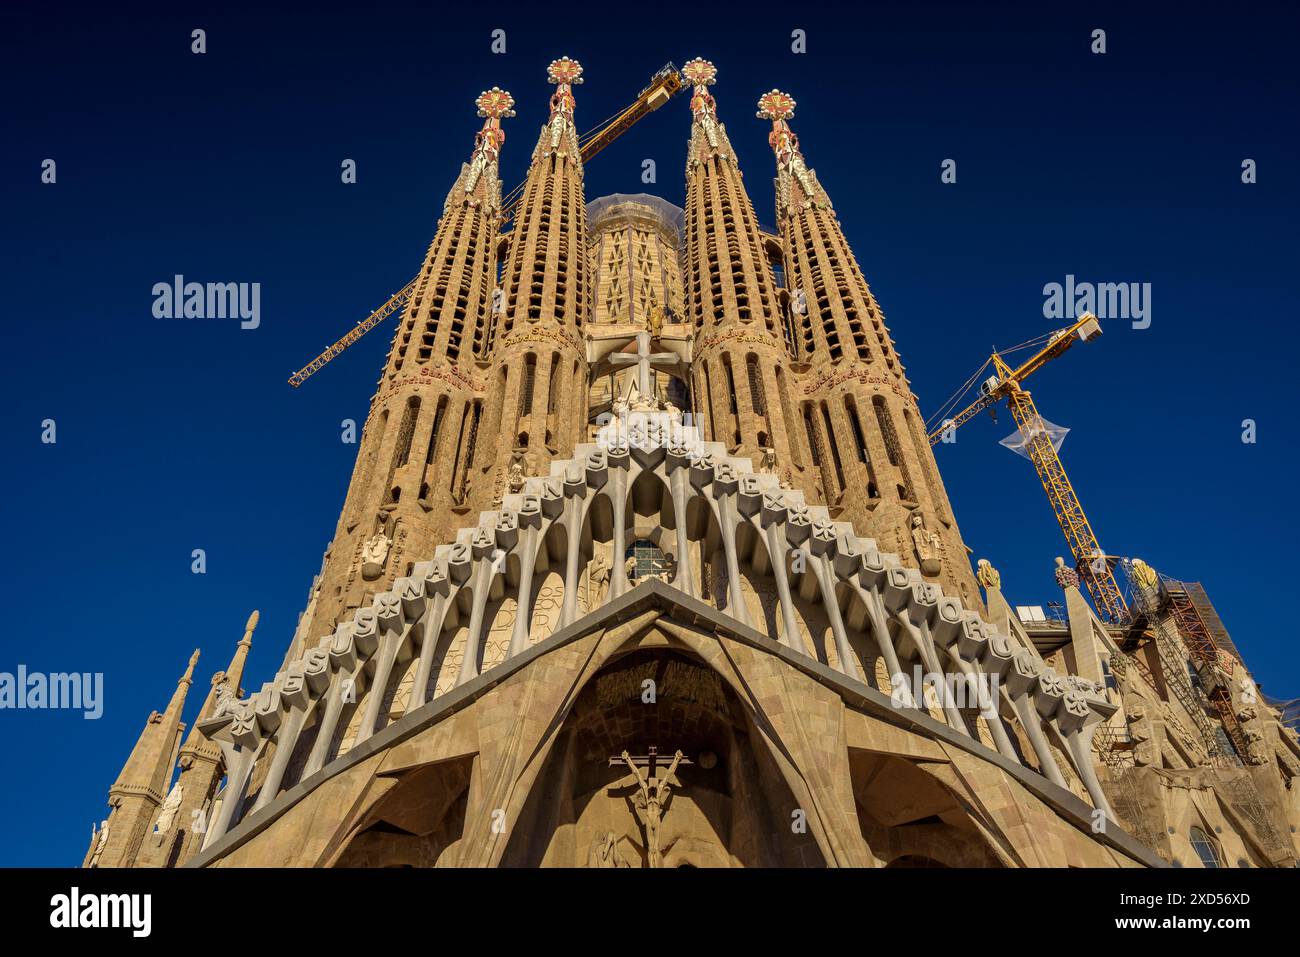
(790, 167)
(565, 72)
(700, 72)
(495, 103)
(775, 105)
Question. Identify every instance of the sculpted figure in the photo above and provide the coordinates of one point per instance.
(374, 553)
(169, 808)
(641, 402)
(769, 461)
(654, 320)
(605, 853)
(929, 547)
(598, 580)
(620, 408)
(100, 844)
(515, 478)
(652, 796)
(226, 697)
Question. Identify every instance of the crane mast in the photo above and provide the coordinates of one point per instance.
(1091, 562)
(664, 85)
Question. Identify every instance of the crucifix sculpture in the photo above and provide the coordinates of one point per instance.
(644, 360)
(653, 791)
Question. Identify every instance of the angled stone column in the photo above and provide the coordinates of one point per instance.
(483, 546)
(438, 585)
(388, 609)
(523, 614)
(1022, 678)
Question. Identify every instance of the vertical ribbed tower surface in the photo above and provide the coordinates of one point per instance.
(740, 361)
(415, 458)
(536, 386)
(861, 431)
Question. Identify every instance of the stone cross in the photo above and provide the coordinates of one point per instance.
(644, 360)
(653, 790)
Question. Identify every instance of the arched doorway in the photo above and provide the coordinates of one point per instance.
(658, 764)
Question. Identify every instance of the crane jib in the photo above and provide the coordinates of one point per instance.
(665, 84)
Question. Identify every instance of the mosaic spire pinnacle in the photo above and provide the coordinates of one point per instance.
(797, 185)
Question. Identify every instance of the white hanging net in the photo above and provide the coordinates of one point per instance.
(1018, 441)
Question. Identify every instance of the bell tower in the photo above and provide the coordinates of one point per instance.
(740, 356)
(417, 446)
(537, 383)
(861, 429)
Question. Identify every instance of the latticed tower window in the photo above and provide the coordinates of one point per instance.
(402, 450)
(756, 395)
(647, 559)
(1204, 848)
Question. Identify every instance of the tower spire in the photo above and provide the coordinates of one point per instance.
(560, 136)
(863, 429)
(535, 398)
(796, 184)
(479, 183)
(138, 791)
(414, 458)
(740, 360)
(176, 838)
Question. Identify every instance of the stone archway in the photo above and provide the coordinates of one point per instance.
(727, 804)
(416, 823)
(909, 818)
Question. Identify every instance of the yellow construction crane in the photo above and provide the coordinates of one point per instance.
(664, 85)
(1092, 563)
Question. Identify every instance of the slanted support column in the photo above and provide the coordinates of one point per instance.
(572, 559)
(826, 581)
(1022, 677)
(429, 647)
(347, 664)
(988, 703)
(1076, 722)
(395, 635)
(921, 638)
(774, 533)
(285, 742)
(616, 489)
(239, 765)
(880, 629)
(679, 483)
(527, 551)
(728, 524)
(483, 573)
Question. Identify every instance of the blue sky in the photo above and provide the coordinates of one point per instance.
(175, 435)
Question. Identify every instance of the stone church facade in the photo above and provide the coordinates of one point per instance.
(644, 544)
